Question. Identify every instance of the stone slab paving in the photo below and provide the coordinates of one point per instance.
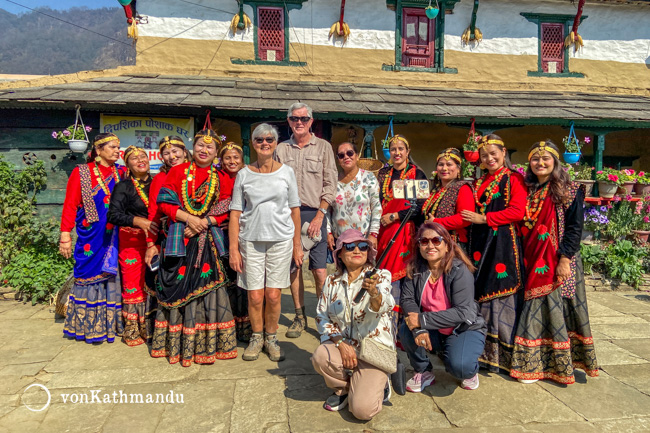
(262, 396)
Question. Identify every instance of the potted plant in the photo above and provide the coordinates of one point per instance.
(608, 182)
(629, 178)
(582, 174)
(470, 148)
(642, 186)
(571, 149)
(467, 170)
(641, 224)
(75, 138)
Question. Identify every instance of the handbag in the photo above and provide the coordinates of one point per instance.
(377, 354)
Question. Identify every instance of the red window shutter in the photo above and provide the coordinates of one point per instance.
(270, 33)
(552, 46)
(418, 38)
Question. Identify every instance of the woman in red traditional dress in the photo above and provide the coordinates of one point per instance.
(194, 321)
(553, 336)
(494, 245)
(93, 313)
(231, 158)
(128, 211)
(450, 196)
(394, 211)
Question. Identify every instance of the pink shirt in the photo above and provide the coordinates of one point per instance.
(434, 298)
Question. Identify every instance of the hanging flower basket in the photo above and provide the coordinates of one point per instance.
(75, 136)
(471, 155)
(571, 158)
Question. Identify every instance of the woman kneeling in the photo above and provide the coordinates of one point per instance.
(441, 313)
(343, 323)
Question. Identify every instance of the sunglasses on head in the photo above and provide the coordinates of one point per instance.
(363, 246)
(349, 154)
(260, 140)
(435, 241)
(303, 119)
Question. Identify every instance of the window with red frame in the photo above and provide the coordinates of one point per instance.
(552, 47)
(270, 34)
(418, 39)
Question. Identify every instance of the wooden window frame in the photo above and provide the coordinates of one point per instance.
(567, 21)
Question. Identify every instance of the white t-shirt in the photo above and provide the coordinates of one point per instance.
(265, 200)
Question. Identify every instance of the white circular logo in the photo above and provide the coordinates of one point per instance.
(49, 397)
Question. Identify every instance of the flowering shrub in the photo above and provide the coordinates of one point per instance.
(520, 168)
(643, 178)
(628, 175)
(609, 175)
(596, 218)
(472, 142)
(571, 144)
(583, 172)
(66, 135)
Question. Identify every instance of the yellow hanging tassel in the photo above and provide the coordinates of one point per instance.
(132, 31)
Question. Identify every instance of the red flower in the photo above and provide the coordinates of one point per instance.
(500, 268)
(205, 268)
(542, 230)
(181, 273)
(477, 256)
(107, 200)
(109, 226)
(540, 263)
(85, 223)
(87, 247)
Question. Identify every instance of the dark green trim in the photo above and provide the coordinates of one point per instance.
(559, 74)
(266, 62)
(286, 5)
(439, 39)
(472, 24)
(398, 68)
(538, 19)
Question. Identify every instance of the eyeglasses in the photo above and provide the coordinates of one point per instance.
(349, 154)
(260, 140)
(435, 241)
(363, 246)
(303, 119)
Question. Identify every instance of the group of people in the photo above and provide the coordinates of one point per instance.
(484, 273)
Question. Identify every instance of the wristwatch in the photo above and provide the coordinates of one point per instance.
(322, 209)
(338, 343)
(392, 217)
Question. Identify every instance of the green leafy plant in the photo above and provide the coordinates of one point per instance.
(593, 257)
(571, 144)
(624, 260)
(628, 175)
(29, 258)
(472, 142)
(643, 178)
(70, 133)
(583, 172)
(609, 175)
(467, 170)
(622, 219)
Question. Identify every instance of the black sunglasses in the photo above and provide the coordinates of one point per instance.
(349, 154)
(303, 119)
(363, 246)
(260, 140)
(436, 241)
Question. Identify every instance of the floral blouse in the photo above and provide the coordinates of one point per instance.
(356, 205)
(333, 315)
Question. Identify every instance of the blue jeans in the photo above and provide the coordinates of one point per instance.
(460, 352)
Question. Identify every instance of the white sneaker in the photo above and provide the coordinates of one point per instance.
(527, 381)
(471, 383)
(419, 381)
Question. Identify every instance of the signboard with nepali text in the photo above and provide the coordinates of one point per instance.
(146, 132)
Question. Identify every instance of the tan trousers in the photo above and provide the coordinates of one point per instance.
(365, 388)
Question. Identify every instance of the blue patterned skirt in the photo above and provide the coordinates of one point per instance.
(94, 312)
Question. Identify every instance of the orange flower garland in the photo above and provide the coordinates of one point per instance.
(492, 189)
(534, 206)
(140, 190)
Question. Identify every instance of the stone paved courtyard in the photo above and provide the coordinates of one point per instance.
(262, 396)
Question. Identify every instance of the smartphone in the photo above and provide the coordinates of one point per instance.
(410, 189)
(155, 263)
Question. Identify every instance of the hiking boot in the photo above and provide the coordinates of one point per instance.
(254, 348)
(335, 403)
(298, 325)
(273, 349)
(419, 381)
(471, 383)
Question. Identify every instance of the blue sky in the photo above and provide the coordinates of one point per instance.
(56, 4)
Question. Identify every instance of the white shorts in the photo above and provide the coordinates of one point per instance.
(266, 264)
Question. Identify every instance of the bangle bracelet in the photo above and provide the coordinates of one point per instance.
(152, 246)
(376, 296)
(65, 242)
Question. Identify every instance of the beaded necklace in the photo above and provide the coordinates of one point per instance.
(140, 190)
(534, 205)
(386, 190)
(492, 189)
(206, 196)
(102, 182)
(433, 202)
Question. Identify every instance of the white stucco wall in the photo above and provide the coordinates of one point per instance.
(611, 32)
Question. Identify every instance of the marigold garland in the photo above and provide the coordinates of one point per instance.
(140, 190)
(432, 203)
(492, 189)
(102, 182)
(206, 197)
